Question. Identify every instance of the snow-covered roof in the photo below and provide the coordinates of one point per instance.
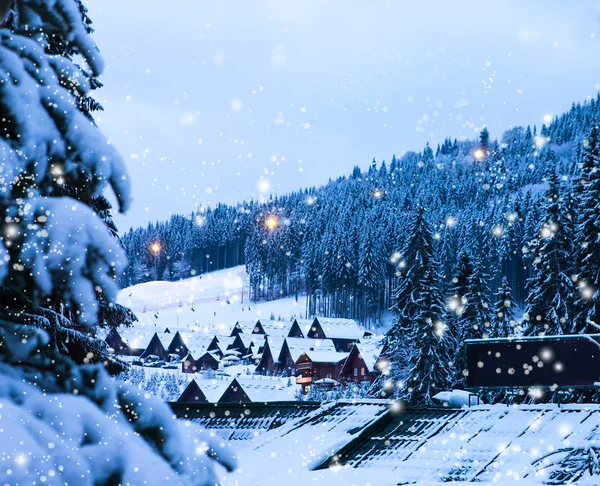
(140, 337)
(197, 343)
(299, 345)
(337, 328)
(321, 356)
(369, 352)
(212, 389)
(268, 389)
(276, 328)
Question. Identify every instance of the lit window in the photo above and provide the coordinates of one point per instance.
(355, 371)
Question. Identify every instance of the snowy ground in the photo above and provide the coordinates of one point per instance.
(209, 303)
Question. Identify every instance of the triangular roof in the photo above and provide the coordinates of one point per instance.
(155, 342)
(368, 354)
(234, 393)
(296, 346)
(296, 330)
(177, 345)
(335, 328)
(322, 356)
(192, 394)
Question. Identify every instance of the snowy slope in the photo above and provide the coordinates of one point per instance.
(211, 303)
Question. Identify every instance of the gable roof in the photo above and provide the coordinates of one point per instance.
(192, 394)
(275, 328)
(297, 346)
(298, 330)
(337, 328)
(369, 353)
(324, 356)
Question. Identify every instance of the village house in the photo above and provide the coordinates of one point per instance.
(343, 332)
(361, 364)
(292, 348)
(313, 366)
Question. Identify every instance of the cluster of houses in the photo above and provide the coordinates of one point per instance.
(319, 351)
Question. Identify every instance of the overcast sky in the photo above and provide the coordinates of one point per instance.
(219, 101)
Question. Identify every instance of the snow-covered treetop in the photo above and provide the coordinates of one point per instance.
(52, 244)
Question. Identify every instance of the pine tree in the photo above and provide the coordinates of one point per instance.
(57, 255)
(550, 302)
(503, 320)
(588, 235)
(428, 372)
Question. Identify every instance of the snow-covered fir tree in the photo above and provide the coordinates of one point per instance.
(550, 303)
(57, 255)
(503, 315)
(588, 234)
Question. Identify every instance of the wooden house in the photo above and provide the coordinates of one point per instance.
(177, 346)
(268, 363)
(156, 347)
(360, 365)
(206, 361)
(295, 330)
(343, 332)
(192, 394)
(114, 341)
(234, 394)
(313, 366)
(292, 348)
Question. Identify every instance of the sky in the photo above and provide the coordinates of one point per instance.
(221, 101)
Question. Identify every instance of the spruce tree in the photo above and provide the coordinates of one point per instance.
(429, 365)
(550, 302)
(503, 319)
(588, 235)
(57, 255)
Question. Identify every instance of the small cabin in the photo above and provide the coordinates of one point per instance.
(360, 365)
(115, 342)
(234, 393)
(192, 394)
(313, 366)
(343, 332)
(155, 348)
(177, 346)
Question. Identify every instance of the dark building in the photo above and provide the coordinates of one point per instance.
(234, 394)
(359, 366)
(295, 330)
(115, 342)
(155, 348)
(563, 361)
(313, 366)
(177, 346)
(192, 394)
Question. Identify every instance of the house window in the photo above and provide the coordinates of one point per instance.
(355, 371)
(362, 371)
(328, 375)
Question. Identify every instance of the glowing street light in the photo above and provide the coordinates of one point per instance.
(377, 194)
(479, 154)
(155, 248)
(271, 223)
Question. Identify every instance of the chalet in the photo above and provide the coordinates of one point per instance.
(296, 329)
(234, 394)
(206, 361)
(360, 365)
(156, 347)
(241, 344)
(272, 328)
(192, 394)
(247, 390)
(292, 349)
(177, 346)
(343, 332)
(313, 366)
(269, 355)
(137, 339)
(114, 341)
(246, 327)
(220, 345)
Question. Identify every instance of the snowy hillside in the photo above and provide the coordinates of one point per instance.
(211, 302)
